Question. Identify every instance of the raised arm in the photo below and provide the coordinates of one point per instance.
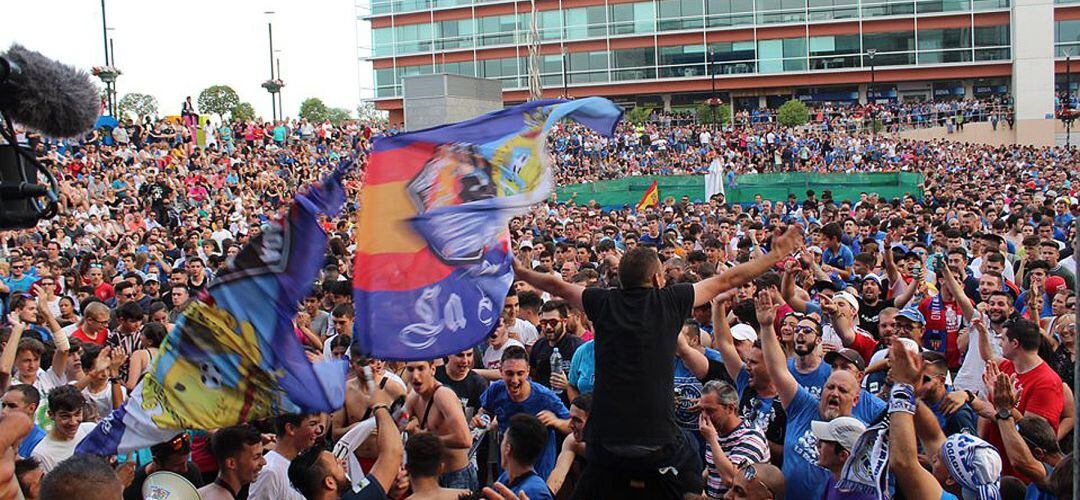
(985, 349)
(741, 274)
(789, 291)
(904, 297)
(911, 478)
(391, 450)
(1004, 398)
(957, 292)
(7, 358)
(775, 360)
(725, 343)
(550, 284)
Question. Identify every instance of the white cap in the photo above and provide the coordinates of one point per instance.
(843, 430)
(849, 298)
(744, 332)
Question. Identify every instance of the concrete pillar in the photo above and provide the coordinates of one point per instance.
(762, 102)
(969, 89)
(1033, 71)
(864, 95)
(667, 101)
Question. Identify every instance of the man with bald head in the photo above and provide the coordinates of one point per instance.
(839, 396)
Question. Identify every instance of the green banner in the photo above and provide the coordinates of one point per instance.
(628, 191)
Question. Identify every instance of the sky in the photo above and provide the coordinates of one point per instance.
(174, 49)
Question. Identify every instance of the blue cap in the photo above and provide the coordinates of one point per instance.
(913, 314)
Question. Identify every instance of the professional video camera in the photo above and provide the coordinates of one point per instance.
(49, 97)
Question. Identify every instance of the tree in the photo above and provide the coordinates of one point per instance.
(714, 115)
(639, 115)
(368, 114)
(793, 113)
(141, 104)
(243, 111)
(337, 116)
(314, 110)
(218, 99)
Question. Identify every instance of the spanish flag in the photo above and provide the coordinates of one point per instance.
(651, 198)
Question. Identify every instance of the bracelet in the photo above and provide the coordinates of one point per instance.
(970, 397)
(378, 406)
(902, 399)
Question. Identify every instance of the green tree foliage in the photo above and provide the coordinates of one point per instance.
(218, 99)
(337, 116)
(714, 115)
(638, 115)
(367, 114)
(314, 110)
(793, 113)
(140, 105)
(243, 111)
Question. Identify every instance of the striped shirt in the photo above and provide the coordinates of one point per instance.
(745, 444)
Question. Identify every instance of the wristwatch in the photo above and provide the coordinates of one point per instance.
(1004, 414)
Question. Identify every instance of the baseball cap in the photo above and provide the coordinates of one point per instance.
(912, 314)
(744, 332)
(152, 277)
(525, 244)
(872, 276)
(849, 354)
(1054, 284)
(843, 430)
(820, 285)
(849, 298)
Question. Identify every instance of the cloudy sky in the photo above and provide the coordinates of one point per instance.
(174, 49)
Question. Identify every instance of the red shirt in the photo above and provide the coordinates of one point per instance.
(865, 345)
(102, 336)
(1041, 395)
(104, 291)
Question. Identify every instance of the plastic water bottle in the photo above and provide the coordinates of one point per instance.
(556, 367)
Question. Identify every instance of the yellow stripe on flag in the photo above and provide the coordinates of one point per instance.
(384, 220)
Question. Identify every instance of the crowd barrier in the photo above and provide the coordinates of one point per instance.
(777, 186)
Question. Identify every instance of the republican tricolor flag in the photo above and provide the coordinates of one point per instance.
(433, 261)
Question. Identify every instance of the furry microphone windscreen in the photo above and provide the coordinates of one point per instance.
(48, 96)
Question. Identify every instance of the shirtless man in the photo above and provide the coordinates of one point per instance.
(437, 409)
(358, 399)
(13, 428)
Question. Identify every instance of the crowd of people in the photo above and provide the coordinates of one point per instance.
(696, 349)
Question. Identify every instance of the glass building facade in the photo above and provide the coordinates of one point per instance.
(633, 42)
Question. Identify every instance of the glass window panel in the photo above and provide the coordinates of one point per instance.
(944, 56)
(947, 38)
(989, 4)
(729, 12)
(633, 58)
(382, 41)
(1067, 31)
(630, 18)
(385, 77)
(991, 36)
(729, 58)
(895, 41)
(682, 61)
(932, 6)
(770, 56)
(681, 15)
(875, 9)
(991, 54)
(824, 10)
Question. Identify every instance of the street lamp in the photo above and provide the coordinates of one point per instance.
(565, 65)
(873, 83)
(1068, 113)
(274, 84)
(107, 73)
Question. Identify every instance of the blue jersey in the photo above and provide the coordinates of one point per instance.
(496, 401)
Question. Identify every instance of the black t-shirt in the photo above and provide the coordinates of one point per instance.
(540, 358)
(868, 315)
(468, 389)
(134, 492)
(635, 334)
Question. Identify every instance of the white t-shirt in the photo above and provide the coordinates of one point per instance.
(47, 380)
(51, 452)
(969, 377)
(273, 480)
(525, 330)
(493, 357)
(102, 400)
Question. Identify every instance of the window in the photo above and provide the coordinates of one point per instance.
(788, 54)
(455, 34)
(1067, 37)
(586, 22)
(931, 6)
(497, 30)
(467, 68)
(505, 70)
(781, 11)
(386, 84)
(682, 61)
(989, 4)
(732, 58)
(992, 36)
(875, 8)
(549, 24)
(588, 67)
(634, 64)
(729, 12)
(413, 38)
(827, 10)
(382, 42)
(681, 15)
(830, 52)
(627, 18)
(947, 38)
(893, 48)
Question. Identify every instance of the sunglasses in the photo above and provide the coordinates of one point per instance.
(806, 329)
(750, 474)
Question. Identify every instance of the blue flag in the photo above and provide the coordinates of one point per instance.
(233, 357)
(433, 261)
